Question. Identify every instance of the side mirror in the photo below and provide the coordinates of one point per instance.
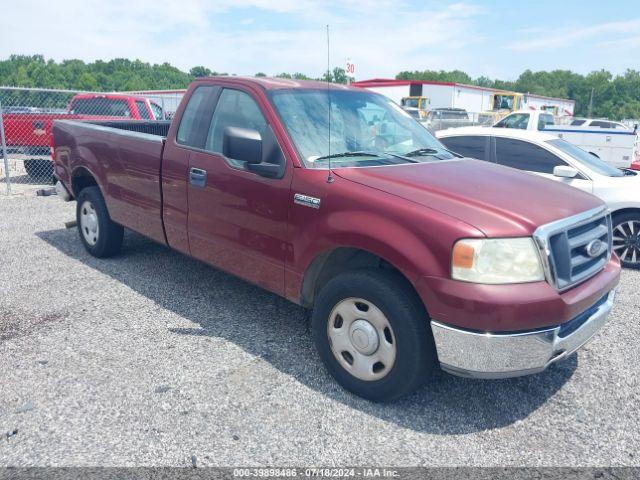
(242, 144)
(565, 171)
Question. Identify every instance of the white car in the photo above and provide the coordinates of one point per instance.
(612, 144)
(598, 123)
(554, 158)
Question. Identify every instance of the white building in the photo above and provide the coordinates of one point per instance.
(457, 95)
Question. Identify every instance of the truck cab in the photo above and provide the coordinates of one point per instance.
(502, 103)
(527, 120)
(114, 105)
(416, 106)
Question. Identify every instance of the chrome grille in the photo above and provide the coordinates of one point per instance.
(569, 247)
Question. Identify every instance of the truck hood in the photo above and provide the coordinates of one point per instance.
(497, 200)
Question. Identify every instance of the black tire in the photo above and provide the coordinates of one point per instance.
(108, 239)
(415, 357)
(41, 170)
(625, 248)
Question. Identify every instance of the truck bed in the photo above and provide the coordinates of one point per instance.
(614, 146)
(126, 156)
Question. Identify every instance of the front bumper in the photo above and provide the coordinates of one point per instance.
(511, 354)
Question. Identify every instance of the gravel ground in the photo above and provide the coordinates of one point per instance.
(152, 358)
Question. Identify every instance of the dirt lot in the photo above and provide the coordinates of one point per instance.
(152, 358)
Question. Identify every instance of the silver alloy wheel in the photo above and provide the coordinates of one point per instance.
(361, 339)
(89, 222)
(626, 241)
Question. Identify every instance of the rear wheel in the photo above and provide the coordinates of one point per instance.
(373, 335)
(100, 235)
(626, 239)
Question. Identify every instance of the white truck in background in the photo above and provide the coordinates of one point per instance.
(616, 146)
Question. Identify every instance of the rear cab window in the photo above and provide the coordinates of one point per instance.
(545, 119)
(108, 107)
(158, 114)
(516, 120)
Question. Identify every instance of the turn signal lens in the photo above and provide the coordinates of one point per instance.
(463, 255)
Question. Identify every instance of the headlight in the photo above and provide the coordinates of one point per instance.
(496, 260)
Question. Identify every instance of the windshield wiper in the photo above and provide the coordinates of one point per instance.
(357, 153)
(421, 152)
(362, 153)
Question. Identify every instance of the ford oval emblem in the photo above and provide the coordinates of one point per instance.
(595, 247)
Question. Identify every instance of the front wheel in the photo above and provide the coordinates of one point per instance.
(100, 235)
(373, 334)
(626, 239)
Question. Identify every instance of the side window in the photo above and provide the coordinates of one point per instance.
(157, 111)
(577, 122)
(196, 117)
(525, 156)
(472, 147)
(142, 110)
(234, 109)
(601, 124)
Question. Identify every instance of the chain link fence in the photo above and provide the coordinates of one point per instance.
(27, 116)
(443, 118)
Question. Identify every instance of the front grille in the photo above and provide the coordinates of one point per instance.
(566, 247)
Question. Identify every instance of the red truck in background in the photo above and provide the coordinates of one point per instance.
(28, 134)
(409, 256)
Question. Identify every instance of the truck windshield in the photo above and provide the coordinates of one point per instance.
(367, 129)
(591, 161)
(501, 102)
(411, 102)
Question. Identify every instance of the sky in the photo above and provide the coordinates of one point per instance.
(498, 39)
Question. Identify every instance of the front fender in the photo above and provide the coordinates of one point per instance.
(412, 248)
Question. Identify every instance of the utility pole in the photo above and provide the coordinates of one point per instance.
(590, 103)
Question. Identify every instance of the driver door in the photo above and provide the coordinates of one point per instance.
(238, 219)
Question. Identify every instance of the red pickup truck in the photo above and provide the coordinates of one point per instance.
(410, 256)
(29, 134)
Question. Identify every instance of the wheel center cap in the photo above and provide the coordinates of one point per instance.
(92, 222)
(364, 337)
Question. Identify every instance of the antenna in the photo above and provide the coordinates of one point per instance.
(329, 176)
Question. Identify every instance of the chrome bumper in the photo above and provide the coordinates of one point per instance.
(501, 355)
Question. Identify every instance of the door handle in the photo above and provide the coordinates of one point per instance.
(198, 177)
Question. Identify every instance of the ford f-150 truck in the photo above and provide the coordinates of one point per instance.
(28, 134)
(409, 256)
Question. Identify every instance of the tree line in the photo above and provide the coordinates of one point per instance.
(598, 94)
